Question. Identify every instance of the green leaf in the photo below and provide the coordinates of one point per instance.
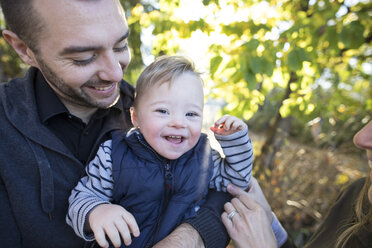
(296, 57)
(304, 56)
(268, 67)
(252, 44)
(332, 37)
(236, 77)
(250, 79)
(207, 2)
(261, 65)
(255, 64)
(352, 35)
(248, 76)
(214, 64)
(294, 62)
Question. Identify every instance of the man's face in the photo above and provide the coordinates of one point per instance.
(170, 116)
(83, 50)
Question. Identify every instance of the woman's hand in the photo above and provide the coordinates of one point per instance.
(251, 225)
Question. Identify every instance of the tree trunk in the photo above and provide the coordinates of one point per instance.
(275, 136)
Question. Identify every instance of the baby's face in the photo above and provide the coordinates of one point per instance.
(170, 116)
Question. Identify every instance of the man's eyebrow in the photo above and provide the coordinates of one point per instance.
(125, 36)
(81, 49)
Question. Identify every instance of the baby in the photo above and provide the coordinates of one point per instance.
(156, 175)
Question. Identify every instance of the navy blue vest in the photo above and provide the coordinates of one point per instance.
(160, 193)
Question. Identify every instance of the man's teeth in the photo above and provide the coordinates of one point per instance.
(102, 88)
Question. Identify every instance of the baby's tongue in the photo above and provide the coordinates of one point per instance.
(175, 140)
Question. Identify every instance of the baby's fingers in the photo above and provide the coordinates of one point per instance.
(132, 223)
(126, 226)
(237, 125)
(234, 123)
(221, 121)
(100, 237)
(123, 229)
(113, 234)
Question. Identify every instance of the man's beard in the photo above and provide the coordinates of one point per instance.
(67, 93)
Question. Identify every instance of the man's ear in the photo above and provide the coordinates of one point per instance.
(20, 47)
(133, 116)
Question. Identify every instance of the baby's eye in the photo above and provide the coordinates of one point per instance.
(191, 114)
(161, 111)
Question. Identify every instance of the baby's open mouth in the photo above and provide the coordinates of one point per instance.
(174, 139)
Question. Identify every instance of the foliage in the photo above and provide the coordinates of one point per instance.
(10, 64)
(305, 182)
(326, 44)
(136, 65)
(308, 60)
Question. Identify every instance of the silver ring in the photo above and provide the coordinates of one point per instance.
(231, 214)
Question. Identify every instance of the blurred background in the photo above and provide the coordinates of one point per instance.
(298, 72)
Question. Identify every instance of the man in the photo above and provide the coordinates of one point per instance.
(54, 118)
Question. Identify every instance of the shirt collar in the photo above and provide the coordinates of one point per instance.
(50, 105)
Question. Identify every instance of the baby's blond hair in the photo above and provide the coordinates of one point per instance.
(163, 69)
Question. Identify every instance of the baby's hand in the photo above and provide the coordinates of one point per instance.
(227, 125)
(114, 221)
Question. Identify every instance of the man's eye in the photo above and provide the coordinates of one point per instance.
(82, 62)
(122, 48)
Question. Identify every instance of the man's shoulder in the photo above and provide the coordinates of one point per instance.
(19, 88)
(126, 94)
(126, 88)
(20, 82)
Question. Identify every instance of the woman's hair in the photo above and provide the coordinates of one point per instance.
(361, 219)
(163, 69)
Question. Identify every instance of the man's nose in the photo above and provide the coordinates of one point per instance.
(111, 68)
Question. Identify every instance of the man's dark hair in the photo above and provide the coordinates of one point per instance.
(23, 20)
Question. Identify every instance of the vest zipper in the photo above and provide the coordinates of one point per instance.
(168, 176)
(168, 184)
